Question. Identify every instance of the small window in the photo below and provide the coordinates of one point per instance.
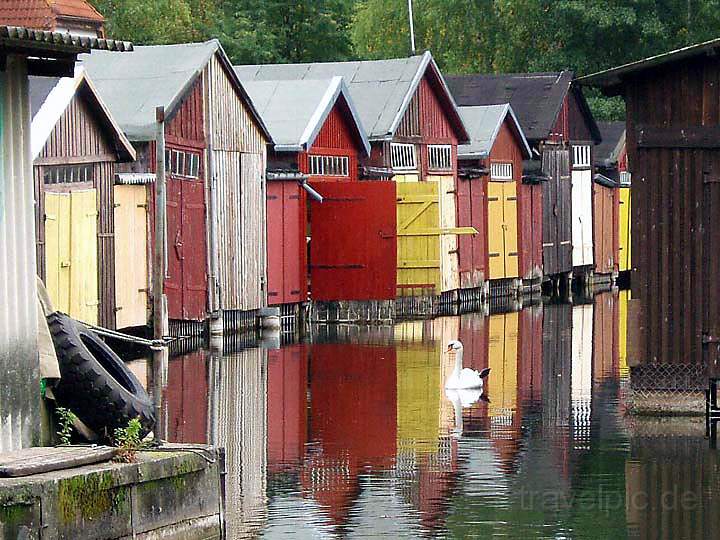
(440, 157)
(179, 163)
(329, 165)
(67, 174)
(625, 178)
(501, 171)
(402, 157)
(581, 156)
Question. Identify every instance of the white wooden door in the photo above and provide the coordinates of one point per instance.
(582, 224)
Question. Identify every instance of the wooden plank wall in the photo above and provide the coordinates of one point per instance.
(239, 200)
(79, 138)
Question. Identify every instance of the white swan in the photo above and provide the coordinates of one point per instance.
(462, 399)
(463, 378)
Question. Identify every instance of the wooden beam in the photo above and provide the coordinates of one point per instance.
(685, 137)
(74, 160)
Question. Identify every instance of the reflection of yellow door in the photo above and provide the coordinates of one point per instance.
(418, 397)
(624, 229)
(502, 230)
(623, 298)
(502, 360)
(131, 268)
(71, 253)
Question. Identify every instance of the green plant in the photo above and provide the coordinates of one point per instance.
(66, 418)
(128, 441)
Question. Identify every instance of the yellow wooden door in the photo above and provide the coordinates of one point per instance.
(71, 253)
(502, 360)
(131, 268)
(625, 263)
(510, 222)
(57, 249)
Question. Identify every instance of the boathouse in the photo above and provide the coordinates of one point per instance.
(562, 132)
(75, 144)
(314, 193)
(414, 128)
(607, 201)
(672, 127)
(215, 152)
(77, 17)
(22, 53)
(491, 199)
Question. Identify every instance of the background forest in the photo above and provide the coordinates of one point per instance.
(465, 36)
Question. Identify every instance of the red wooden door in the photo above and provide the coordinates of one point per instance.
(287, 250)
(353, 250)
(472, 249)
(187, 398)
(186, 279)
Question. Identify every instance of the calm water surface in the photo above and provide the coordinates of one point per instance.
(353, 435)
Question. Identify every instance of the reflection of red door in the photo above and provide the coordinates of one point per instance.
(287, 252)
(187, 398)
(353, 251)
(186, 281)
(287, 407)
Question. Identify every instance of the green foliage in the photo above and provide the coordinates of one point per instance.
(66, 418)
(128, 441)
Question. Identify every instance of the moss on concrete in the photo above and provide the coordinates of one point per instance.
(88, 496)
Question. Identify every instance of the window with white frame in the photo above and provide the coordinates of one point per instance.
(581, 155)
(625, 178)
(440, 157)
(501, 171)
(181, 163)
(402, 157)
(329, 165)
(67, 174)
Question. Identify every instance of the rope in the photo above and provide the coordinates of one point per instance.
(153, 344)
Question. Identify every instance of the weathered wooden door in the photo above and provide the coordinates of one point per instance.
(624, 219)
(131, 256)
(186, 277)
(502, 230)
(557, 364)
(711, 243)
(427, 237)
(472, 248)
(71, 253)
(353, 245)
(604, 228)
(287, 249)
(557, 223)
(582, 214)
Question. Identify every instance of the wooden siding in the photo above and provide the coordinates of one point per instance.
(186, 127)
(239, 191)
(557, 225)
(79, 138)
(571, 124)
(131, 255)
(675, 199)
(605, 228)
(472, 248)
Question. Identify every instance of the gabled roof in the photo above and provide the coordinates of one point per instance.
(381, 89)
(613, 77)
(50, 97)
(484, 123)
(612, 133)
(44, 14)
(134, 85)
(295, 111)
(537, 98)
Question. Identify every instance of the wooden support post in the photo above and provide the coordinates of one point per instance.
(159, 269)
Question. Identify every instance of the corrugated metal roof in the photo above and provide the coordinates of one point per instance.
(381, 89)
(535, 97)
(483, 122)
(134, 85)
(295, 111)
(17, 38)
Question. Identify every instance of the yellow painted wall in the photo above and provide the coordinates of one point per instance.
(502, 360)
(131, 252)
(502, 230)
(625, 230)
(71, 253)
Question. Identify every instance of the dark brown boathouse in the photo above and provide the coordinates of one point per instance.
(673, 144)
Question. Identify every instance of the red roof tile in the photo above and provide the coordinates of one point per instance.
(43, 14)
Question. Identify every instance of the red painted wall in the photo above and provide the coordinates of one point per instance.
(472, 249)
